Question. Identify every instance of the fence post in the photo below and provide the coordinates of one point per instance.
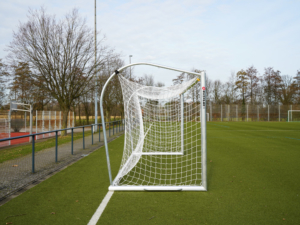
(60, 121)
(43, 122)
(210, 118)
(247, 113)
(279, 112)
(99, 131)
(49, 114)
(72, 132)
(113, 128)
(36, 122)
(268, 114)
(9, 125)
(92, 134)
(83, 137)
(33, 154)
(25, 121)
(55, 121)
(221, 114)
(56, 145)
(228, 113)
(31, 121)
(237, 116)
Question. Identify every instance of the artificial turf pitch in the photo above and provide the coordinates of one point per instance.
(253, 178)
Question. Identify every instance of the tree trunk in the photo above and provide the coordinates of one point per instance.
(107, 116)
(87, 117)
(79, 112)
(65, 120)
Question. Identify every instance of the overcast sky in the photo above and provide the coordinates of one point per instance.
(217, 36)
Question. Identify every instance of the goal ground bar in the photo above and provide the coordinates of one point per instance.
(156, 188)
(158, 153)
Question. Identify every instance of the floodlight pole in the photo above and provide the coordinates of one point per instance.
(96, 97)
(9, 124)
(31, 112)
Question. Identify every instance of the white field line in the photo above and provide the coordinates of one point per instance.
(262, 130)
(100, 209)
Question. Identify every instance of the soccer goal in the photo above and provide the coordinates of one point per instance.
(165, 142)
(293, 115)
(4, 131)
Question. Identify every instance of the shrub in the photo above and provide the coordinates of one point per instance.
(17, 124)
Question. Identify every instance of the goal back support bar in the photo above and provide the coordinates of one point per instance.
(203, 136)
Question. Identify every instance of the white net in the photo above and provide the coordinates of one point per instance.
(162, 135)
(4, 131)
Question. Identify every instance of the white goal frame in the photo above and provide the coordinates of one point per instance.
(26, 108)
(291, 118)
(203, 186)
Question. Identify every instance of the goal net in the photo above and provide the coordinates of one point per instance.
(162, 149)
(4, 131)
(293, 115)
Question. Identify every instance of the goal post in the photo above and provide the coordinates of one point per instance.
(24, 108)
(165, 145)
(293, 116)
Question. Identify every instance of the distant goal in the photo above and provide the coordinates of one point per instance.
(293, 115)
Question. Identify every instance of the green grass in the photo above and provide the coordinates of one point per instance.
(72, 194)
(253, 178)
(22, 150)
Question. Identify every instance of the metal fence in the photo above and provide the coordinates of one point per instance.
(18, 124)
(21, 171)
(249, 113)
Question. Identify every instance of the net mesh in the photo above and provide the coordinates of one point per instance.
(162, 135)
(4, 126)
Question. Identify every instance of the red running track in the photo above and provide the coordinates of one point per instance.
(20, 140)
(16, 134)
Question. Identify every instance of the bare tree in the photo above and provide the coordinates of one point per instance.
(179, 79)
(288, 90)
(113, 93)
(252, 73)
(227, 93)
(217, 91)
(297, 78)
(148, 80)
(208, 88)
(20, 87)
(242, 83)
(60, 54)
(194, 93)
(271, 81)
(159, 84)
